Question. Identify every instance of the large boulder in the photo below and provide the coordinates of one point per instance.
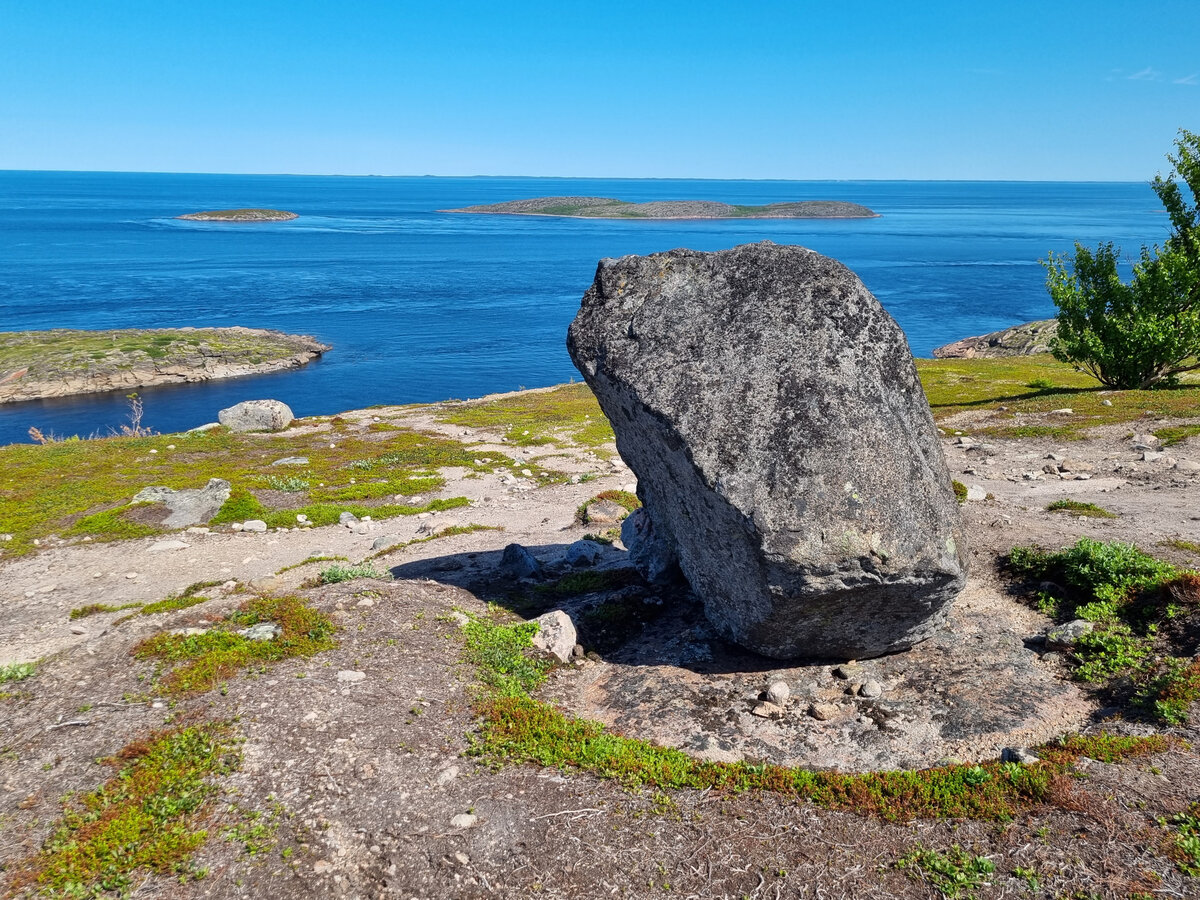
(256, 415)
(782, 443)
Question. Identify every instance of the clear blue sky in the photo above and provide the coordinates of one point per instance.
(843, 89)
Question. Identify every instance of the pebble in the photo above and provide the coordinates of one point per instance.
(822, 712)
(871, 689)
(365, 601)
(778, 693)
(349, 676)
(767, 710)
(161, 546)
(263, 631)
(321, 866)
(78, 629)
(1018, 755)
(845, 672)
(464, 820)
(255, 526)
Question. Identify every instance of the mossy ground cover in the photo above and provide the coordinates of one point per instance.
(83, 488)
(568, 414)
(194, 663)
(516, 727)
(148, 818)
(1146, 617)
(1038, 384)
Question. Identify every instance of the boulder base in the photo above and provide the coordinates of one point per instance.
(782, 443)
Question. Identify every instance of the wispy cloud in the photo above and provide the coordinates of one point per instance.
(1146, 74)
(1194, 78)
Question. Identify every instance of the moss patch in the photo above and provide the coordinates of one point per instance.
(148, 818)
(1077, 508)
(564, 415)
(197, 662)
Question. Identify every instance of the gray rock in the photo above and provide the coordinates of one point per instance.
(348, 519)
(871, 689)
(517, 562)
(782, 443)
(1152, 455)
(556, 635)
(823, 712)
(384, 541)
(1068, 634)
(164, 546)
(263, 631)
(291, 461)
(778, 693)
(207, 426)
(349, 676)
(188, 506)
(976, 493)
(464, 820)
(767, 710)
(1071, 464)
(651, 552)
(1018, 755)
(581, 554)
(256, 526)
(256, 415)
(604, 512)
(1187, 466)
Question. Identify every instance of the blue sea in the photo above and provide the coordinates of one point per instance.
(422, 305)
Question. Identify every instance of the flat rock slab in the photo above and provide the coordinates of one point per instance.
(969, 691)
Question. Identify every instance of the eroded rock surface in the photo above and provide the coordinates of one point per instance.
(782, 442)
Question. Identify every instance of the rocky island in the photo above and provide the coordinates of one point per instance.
(38, 364)
(240, 215)
(608, 208)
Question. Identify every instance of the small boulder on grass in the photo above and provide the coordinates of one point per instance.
(256, 415)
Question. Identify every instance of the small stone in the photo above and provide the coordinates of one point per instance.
(464, 820)
(845, 672)
(462, 858)
(365, 602)
(871, 689)
(321, 866)
(823, 712)
(255, 526)
(1106, 402)
(163, 546)
(291, 461)
(263, 631)
(556, 635)
(349, 676)
(1152, 455)
(1018, 755)
(348, 519)
(301, 518)
(131, 575)
(778, 693)
(1187, 466)
(1065, 411)
(517, 562)
(582, 554)
(767, 710)
(1066, 635)
(235, 526)
(78, 629)
(976, 493)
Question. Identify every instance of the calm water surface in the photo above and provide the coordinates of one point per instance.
(422, 305)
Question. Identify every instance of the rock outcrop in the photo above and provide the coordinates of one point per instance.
(256, 415)
(1020, 340)
(191, 506)
(783, 446)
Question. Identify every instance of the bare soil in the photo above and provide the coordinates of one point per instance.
(359, 781)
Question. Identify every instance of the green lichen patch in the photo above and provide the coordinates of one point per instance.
(148, 818)
(195, 663)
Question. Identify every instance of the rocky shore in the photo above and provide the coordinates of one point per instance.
(36, 365)
(608, 208)
(1019, 340)
(240, 215)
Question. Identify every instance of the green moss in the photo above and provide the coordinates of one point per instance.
(517, 728)
(111, 525)
(329, 513)
(564, 415)
(148, 818)
(1077, 508)
(198, 662)
(82, 612)
(1176, 435)
(960, 491)
(1185, 843)
(1186, 546)
(242, 506)
(189, 596)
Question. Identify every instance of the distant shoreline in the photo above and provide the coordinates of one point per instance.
(673, 210)
(240, 215)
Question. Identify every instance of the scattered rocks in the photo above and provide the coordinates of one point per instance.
(823, 712)
(767, 710)
(189, 506)
(816, 520)
(556, 635)
(256, 415)
(517, 562)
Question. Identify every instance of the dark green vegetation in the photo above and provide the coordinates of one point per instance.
(197, 662)
(51, 356)
(954, 874)
(148, 818)
(608, 208)
(1146, 614)
(82, 488)
(1141, 333)
(1185, 844)
(189, 596)
(241, 215)
(518, 728)
(1078, 508)
(960, 491)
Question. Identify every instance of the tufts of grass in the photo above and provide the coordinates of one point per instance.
(148, 818)
(241, 506)
(518, 728)
(1185, 843)
(448, 531)
(953, 874)
(329, 513)
(1141, 607)
(189, 596)
(198, 661)
(1186, 546)
(587, 581)
(1078, 508)
(287, 483)
(311, 559)
(111, 525)
(1176, 435)
(16, 672)
(960, 491)
(566, 414)
(337, 573)
(82, 612)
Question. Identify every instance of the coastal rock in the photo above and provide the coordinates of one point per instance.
(187, 507)
(1020, 340)
(256, 415)
(782, 443)
(651, 553)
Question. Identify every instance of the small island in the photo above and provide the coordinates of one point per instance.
(608, 208)
(240, 215)
(35, 365)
